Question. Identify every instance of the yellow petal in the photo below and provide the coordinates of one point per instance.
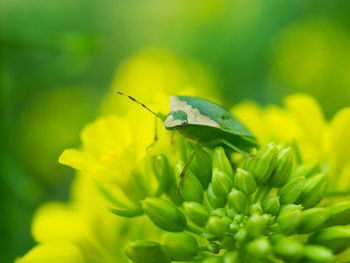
(105, 135)
(79, 160)
(339, 141)
(280, 125)
(57, 221)
(250, 114)
(308, 115)
(49, 252)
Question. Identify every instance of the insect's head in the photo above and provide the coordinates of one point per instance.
(176, 120)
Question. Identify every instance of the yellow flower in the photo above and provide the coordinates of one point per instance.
(105, 143)
(82, 230)
(113, 154)
(110, 154)
(59, 251)
(301, 121)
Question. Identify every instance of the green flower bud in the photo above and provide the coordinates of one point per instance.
(340, 214)
(201, 166)
(306, 170)
(217, 226)
(164, 214)
(220, 212)
(197, 213)
(124, 212)
(214, 248)
(191, 189)
(146, 252)
(180, 246)
(288, 249)
(221, 183)
(266, 162)
(233, 228)
(283, 168)
(256, 225)
(231, 257)
(259, 248)
(312, 219)
(289, 218)
(221, 162)
(227, 242)
(238, 218)
(249, 164)
(291, 191)
(318, 254)
(215, 201)
(231, 213)
(269, 219)
(241, 235)
(336, 238)
(271, 205)
(244, 181)
(314, 190)
(237, 200)
(161, 170)
(255, 209)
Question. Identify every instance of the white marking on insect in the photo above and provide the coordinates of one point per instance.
(193, 115)
(170, 122)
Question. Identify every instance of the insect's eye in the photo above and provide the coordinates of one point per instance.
(184, 124)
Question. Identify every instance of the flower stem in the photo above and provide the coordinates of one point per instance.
(338, 193)
(193, 230)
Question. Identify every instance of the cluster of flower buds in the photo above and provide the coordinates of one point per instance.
(265, 209)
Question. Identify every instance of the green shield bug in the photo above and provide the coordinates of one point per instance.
(206, 123)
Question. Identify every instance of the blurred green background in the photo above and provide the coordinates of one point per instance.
(58, 59)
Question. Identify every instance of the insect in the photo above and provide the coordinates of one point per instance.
(206, 123)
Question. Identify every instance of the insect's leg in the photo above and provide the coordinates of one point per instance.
(183, 172)
(237, 149)
(155, 134)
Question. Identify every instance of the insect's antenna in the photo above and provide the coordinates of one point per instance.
(143, 105)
